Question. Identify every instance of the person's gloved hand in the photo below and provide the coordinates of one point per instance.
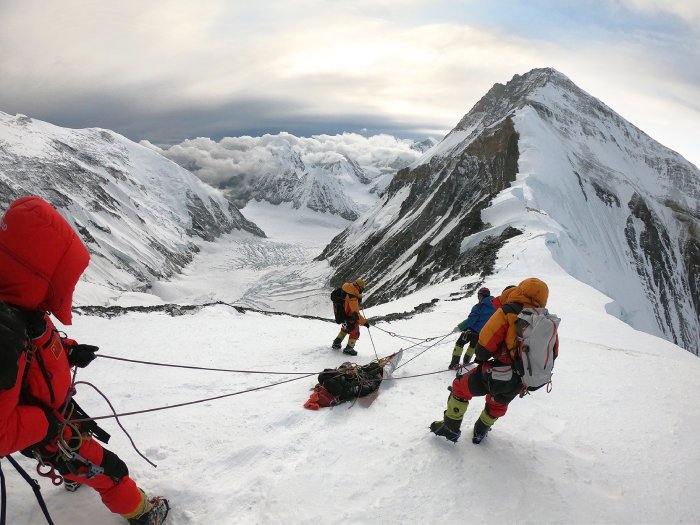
(456, 329)
(82, 355)
(367, 323)
(14, 338)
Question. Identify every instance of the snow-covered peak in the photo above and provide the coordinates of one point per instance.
(140, 215)
(541, 158)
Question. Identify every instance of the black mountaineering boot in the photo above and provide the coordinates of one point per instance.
(480, 431)
(349, 350)
(448, 428)
(454, 364)
(336, 344)
(71, 486)
(450, 424)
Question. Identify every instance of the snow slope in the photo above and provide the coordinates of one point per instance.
(612, 442)
(140, 215)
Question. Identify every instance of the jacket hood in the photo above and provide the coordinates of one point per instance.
(503, 298)
(41, 258)
(352, 289)
(530, 292)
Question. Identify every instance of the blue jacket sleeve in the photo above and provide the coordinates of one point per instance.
(471, 319)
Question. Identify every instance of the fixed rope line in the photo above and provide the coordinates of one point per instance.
(302, 375)
(392, 378)
(372, 341)
(407, 337)
(116, 418)
(306, 374)
(210, 369)
(177, 405)
(232, 370)
(421, 353)
(370, 335)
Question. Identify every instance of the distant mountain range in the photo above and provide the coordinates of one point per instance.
(139, 214)
(342, 175)
(540, 158)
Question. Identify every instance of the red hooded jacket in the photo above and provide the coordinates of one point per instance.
(41, 260)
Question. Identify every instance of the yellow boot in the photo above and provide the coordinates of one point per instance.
(350, 349)
(456, 355)
(449, 426)
(482, 426)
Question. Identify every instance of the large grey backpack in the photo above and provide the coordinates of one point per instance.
(537, 338)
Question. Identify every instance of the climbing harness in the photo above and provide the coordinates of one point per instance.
(66, 455)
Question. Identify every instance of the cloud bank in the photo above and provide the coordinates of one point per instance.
(236, 161)
(167, 71)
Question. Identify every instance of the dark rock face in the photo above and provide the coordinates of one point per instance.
(664, 276)
(450, 191)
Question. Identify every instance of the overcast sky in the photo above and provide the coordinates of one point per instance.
(170, 70)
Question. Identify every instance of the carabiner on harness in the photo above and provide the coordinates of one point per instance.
(70, 458)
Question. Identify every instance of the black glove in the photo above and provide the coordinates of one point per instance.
(367, 323)
(13, 338)
(481, 355)
(82, 355)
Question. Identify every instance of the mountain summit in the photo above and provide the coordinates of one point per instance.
(539, 158)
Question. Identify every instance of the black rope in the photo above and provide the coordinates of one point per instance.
(155, 363)
(35, 487)
(116, 418)
(177, 405)
(407, 337)
(370, 337)
(302, 375)
(231, 370)
(135, 412)
(421, 353)
(392, 378)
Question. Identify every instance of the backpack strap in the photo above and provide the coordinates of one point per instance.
(512, 308)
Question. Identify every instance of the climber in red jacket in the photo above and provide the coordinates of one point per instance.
(41, 260)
